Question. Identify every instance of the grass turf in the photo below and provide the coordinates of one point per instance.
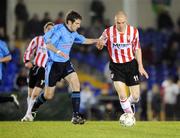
(92, 129)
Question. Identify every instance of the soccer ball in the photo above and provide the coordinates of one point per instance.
(127, 119)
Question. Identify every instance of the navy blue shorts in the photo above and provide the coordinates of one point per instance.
(55, 71)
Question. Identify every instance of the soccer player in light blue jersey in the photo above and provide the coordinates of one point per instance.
(62, 37)
(5, 56)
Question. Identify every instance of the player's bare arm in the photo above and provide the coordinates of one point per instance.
(92, 41)
(138, 55)
(99, 43)
(6, 59)
(55, 50)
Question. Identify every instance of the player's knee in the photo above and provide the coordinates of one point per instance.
(34, 96)
(75, 85)
(74, 80)
(48, 96)
(136, 98)
(78, 86)
(122, 97)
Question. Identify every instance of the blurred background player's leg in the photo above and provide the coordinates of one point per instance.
(12, 98)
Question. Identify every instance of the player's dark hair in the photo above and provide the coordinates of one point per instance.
(72, 16)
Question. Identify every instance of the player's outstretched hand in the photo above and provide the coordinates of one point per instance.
(100, 44)
(143, 72)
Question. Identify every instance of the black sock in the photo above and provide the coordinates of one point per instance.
(75, 96)
(39, 101)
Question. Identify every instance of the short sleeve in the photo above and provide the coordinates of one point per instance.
(136, 41)
(5, 50)
(104, 36)
(80, 39)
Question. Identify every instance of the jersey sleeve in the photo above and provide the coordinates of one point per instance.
(80, 39)
(136, 43)
(104, 36)
(5, 50)
(52, 36)
(30, 50)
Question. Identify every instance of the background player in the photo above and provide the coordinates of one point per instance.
(5, 57)
(37, 69)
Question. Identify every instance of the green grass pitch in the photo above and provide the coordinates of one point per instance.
(92, 129)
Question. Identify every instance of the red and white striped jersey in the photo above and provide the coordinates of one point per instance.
(37, 48)
(121, 46)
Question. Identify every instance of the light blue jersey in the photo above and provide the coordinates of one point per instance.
(62, 38)
(3, 53)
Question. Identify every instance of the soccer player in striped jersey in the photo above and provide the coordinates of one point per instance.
(37, 51)
(122, 41)
(62, 36)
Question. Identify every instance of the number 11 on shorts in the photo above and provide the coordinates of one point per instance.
(136, 77)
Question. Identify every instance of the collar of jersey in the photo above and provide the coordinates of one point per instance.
(67, 28)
